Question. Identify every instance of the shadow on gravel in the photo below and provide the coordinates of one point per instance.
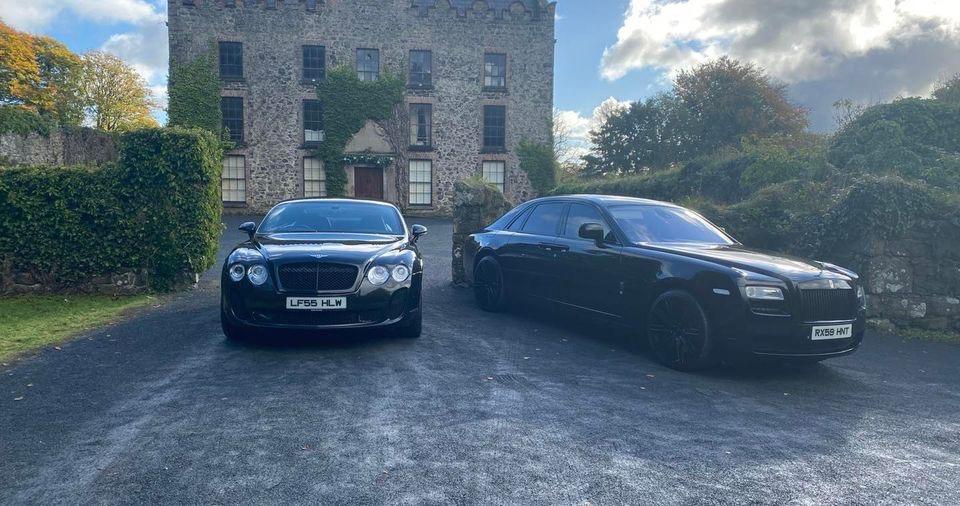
(295, 341)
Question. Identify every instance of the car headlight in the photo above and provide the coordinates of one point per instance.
(764, 293)
(257, 275)
(236, 272)
(378, 275)
(400, 273)
(861, 297)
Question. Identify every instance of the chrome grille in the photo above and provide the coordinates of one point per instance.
(319, 277)
(827, 304)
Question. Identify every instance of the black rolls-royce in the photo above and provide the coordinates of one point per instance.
(324, 264)
(694, 291)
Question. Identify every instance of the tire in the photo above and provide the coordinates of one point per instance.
(413, 329)
(233, 332)
(679, 333)
(489, 288)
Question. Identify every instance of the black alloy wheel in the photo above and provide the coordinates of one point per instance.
(678, 332)
(488, 285)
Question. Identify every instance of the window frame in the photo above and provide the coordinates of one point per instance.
(224, 47)
(411, 182)
(375, 73)
(224, 101)
(322, 180)
(501, 77)
(502, 186)
(414, 127)
(303, 122)
(609, 238)
(322, 57)
(242, 179)
(488, 128)
(422, 82)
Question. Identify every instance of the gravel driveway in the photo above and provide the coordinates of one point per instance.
(482, 409)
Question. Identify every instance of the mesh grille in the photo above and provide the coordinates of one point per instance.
(319, 277)
(828, 304)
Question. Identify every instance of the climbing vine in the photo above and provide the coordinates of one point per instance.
(540, 164)
(195, 95)
(348, 103)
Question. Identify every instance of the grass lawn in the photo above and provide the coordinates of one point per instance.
(29, 322)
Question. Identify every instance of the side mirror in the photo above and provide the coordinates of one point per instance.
(249, 227)
(592, 231)
(418, 230)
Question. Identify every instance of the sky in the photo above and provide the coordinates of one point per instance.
(613, 52)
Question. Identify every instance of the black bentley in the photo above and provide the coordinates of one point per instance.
(694, 291)
(316, 264)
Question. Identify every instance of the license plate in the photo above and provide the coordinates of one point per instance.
(832, 332)
(317, 303)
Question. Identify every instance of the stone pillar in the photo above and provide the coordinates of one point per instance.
(475, 205)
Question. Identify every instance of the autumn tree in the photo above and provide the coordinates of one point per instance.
(116, 97)
(40, 74)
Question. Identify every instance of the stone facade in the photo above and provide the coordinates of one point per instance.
(457, 32)
(475, 206)
(67, 146)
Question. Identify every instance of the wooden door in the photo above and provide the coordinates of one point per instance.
(368, 183)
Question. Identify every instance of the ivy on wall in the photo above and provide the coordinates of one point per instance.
(540, 164)
(348, 103)
(194, 90)
(23, 121)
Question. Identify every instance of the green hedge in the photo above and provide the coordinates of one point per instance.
(23, 121)
(157, 209)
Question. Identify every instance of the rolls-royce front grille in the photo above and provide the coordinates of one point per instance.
(828, 304)
(317, 277)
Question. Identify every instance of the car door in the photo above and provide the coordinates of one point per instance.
(589, 274)
(534, 248)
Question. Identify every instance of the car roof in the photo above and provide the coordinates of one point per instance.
(606, 200)
(335, 200)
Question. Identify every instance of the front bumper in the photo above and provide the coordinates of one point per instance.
(367, 307)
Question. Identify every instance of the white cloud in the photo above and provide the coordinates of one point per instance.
(145, 49)
(579, 126)
(805, 44)
(32, 15)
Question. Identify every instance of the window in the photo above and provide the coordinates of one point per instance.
(494, 71)
(517, 224)
(493, 173)
(368, 64)
(494, 127)
(314, 178)
(421, 182)
(314, 63)
(421, 69)
(421, 126)
(231, 60)
(665, 224)
(232, 109)
(312, 122)
(581, 214)
(333, 216)
(233, 182)
(544, 219)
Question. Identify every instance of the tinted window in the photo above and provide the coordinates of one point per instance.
(662, 224)
(544, 219)
(581, 214)
(343, 217)
(503, 221)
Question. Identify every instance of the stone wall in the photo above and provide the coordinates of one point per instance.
(458, 33)
(914, 280)
(65, 146)
(475, 205)
(123, 283)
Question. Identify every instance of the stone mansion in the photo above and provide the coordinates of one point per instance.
(479, 81)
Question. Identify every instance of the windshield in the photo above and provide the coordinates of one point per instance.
(662, 224)
(336, 217)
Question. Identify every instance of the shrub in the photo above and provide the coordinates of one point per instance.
(157, 209)
(23, 121)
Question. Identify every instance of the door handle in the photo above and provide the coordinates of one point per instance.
(556, 248)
